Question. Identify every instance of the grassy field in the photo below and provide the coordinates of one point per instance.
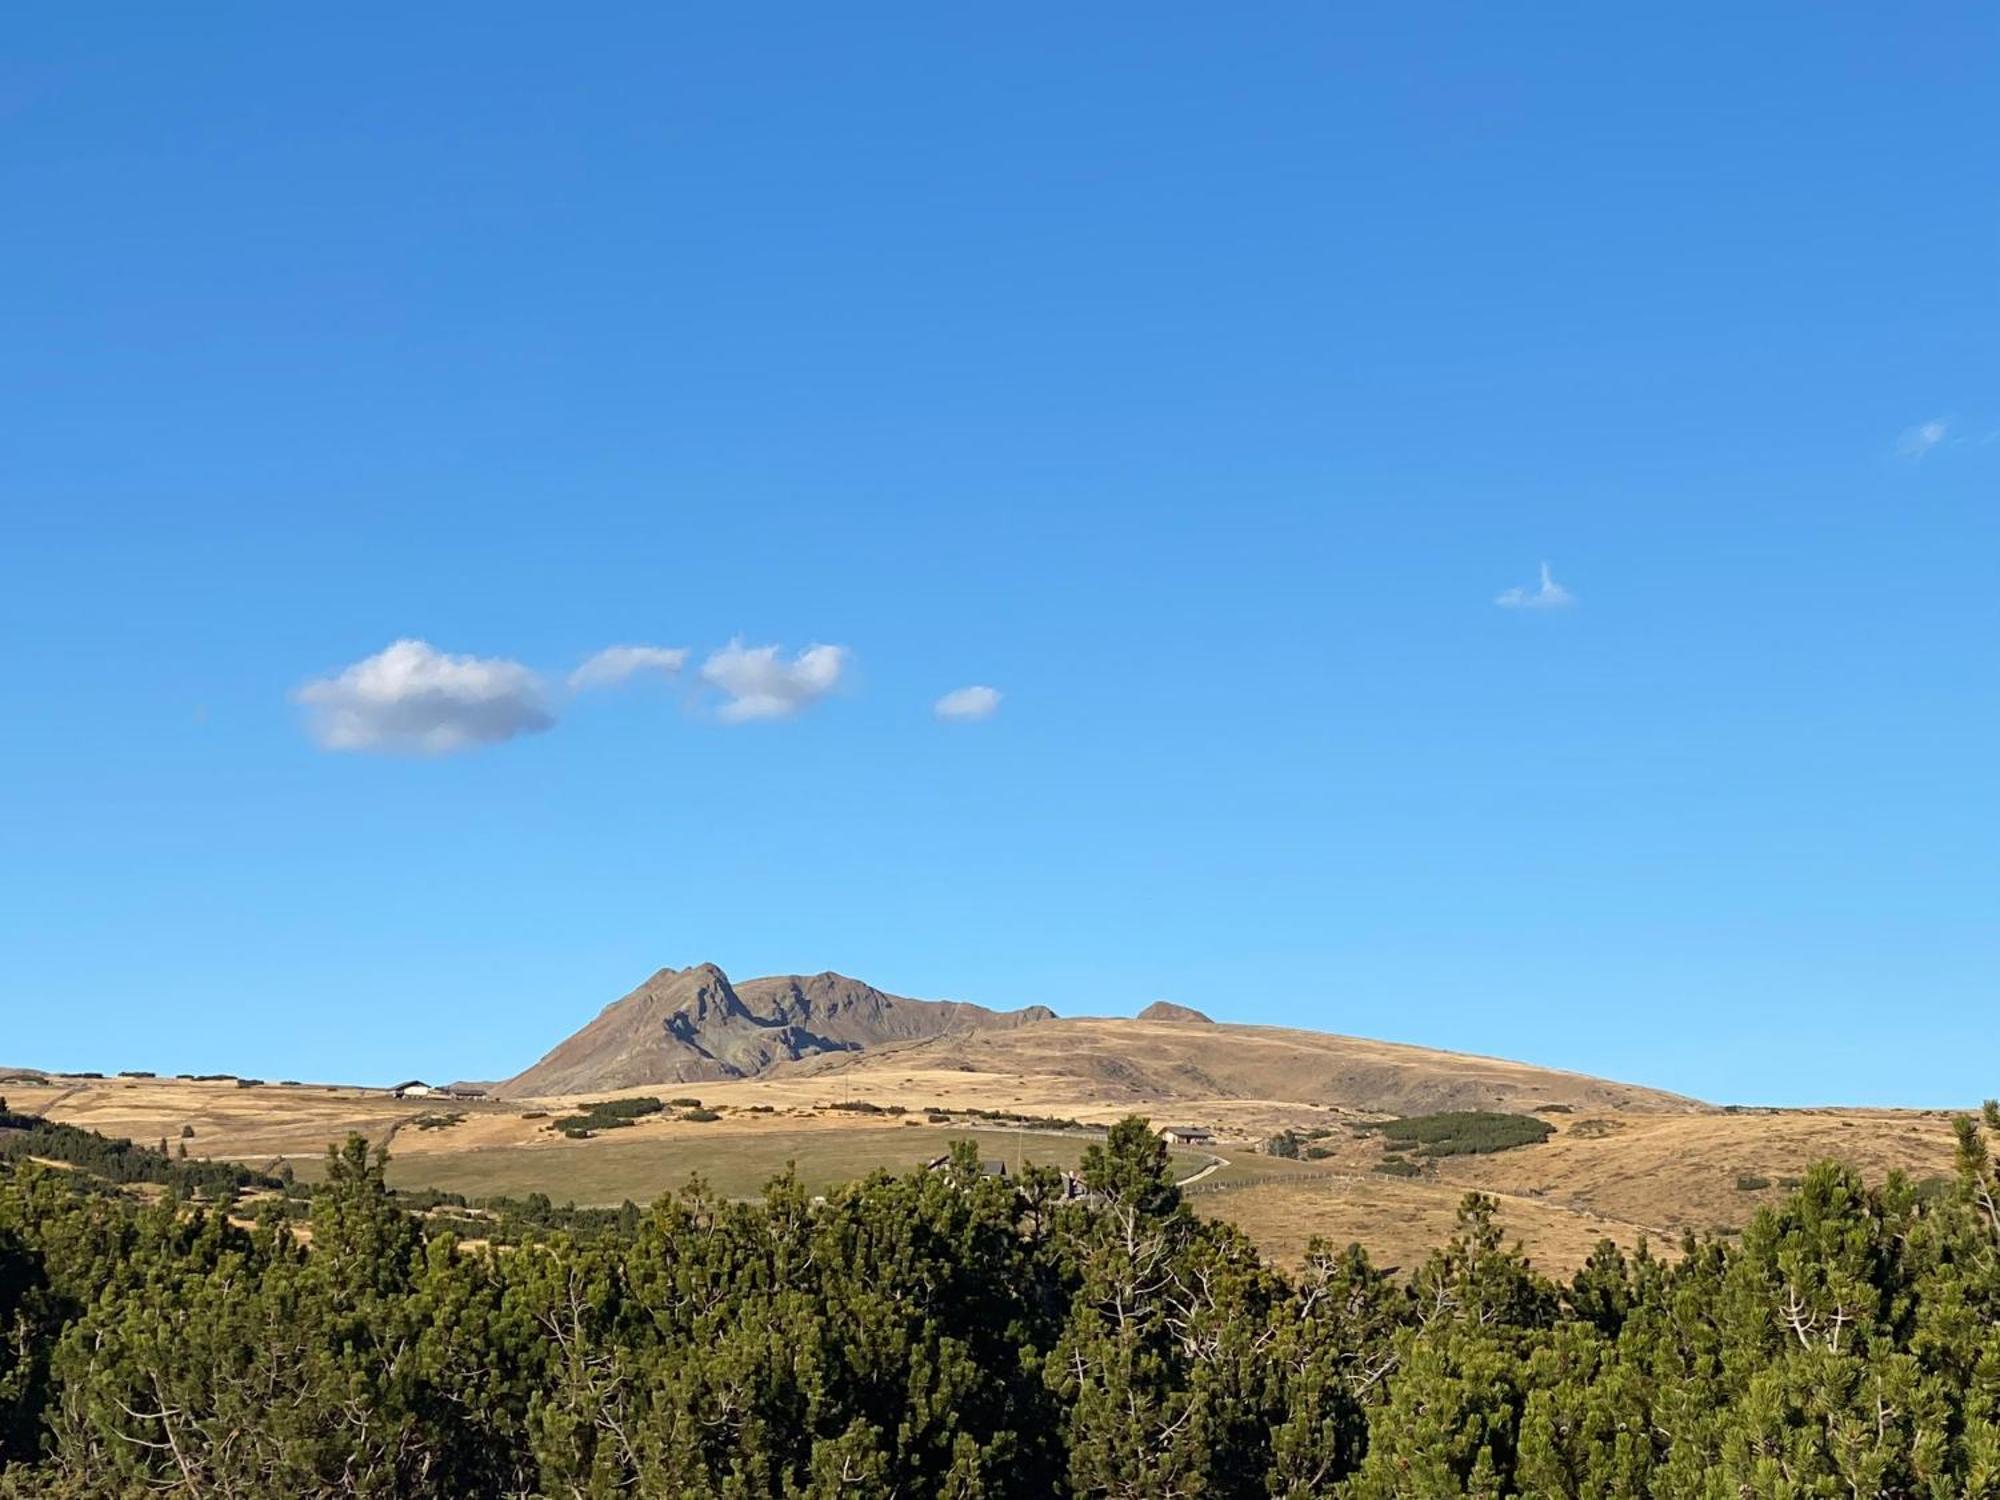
(1401, 1220)
(737, 1164)
(1243, 1169)
(1621, 1178)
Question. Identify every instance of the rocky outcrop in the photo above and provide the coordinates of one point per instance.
(1166, 1010)
(694, 1026)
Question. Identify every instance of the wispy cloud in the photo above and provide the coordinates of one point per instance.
(615, 665)
(1548, 595)
(1919, 440)
(413, 698)
(416, 699)
(968, 703)
(759, 684)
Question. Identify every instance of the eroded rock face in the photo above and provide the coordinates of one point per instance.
(693, 1025)
(1166, 1010)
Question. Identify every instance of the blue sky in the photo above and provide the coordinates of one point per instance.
(1198, 379)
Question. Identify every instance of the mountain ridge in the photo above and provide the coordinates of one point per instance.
(694, 1026)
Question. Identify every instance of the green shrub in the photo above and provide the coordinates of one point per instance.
(701, 1116)
(607, 1114)
(114, 1160)
(626, 1109)
(1467, 1132)
(1750, 1182)
(1398, 1166)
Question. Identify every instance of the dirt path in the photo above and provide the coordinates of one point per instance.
(1215, 1164)
(394, 1126)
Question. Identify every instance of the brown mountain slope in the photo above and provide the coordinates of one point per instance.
(693, 1026)
(1154, 1062)
(1167, 1010)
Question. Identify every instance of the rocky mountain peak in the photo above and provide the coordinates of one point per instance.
(689, 1025)
(1167, 1010)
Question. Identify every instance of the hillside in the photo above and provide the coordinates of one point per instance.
(1153, 1064)
(693, 1026)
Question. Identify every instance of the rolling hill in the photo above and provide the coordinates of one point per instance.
(1156, 1063)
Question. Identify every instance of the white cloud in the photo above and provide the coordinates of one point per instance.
(1550, 595)
(413, 697)
(1919, 440)
(759, 684)
(615, 665)
(968, 703)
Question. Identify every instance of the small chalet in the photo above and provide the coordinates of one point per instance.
(1186, 1135)
(416, 1088)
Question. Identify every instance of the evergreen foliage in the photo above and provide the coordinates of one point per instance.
(948, 1333)
(1288, 1144)
(608, 1114)
(118, 1161)
(1465, 1132)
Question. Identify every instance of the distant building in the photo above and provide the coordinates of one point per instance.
(986, 1168)
(463, 1091)
(1074, 1188)
(416, 1088)
(1186, 1135)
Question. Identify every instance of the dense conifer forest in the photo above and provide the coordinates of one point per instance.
(949, 1333)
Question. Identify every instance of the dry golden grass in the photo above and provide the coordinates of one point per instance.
(1132, 1063)
(1399, 1220)
(1674, 1173)
(1618, 1177)
(228, 1121)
